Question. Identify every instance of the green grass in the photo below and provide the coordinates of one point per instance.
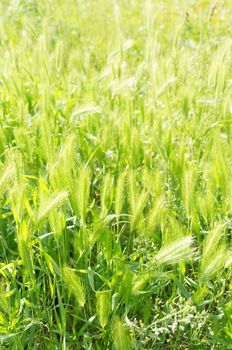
(115, 174)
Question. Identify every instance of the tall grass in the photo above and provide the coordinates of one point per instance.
(115, 174)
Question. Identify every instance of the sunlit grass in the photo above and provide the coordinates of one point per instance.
(115, 174)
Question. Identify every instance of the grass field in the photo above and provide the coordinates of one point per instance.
(115, 174)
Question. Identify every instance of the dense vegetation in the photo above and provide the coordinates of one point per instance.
(115, 174)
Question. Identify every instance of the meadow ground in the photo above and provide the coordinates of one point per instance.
(115, 174)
